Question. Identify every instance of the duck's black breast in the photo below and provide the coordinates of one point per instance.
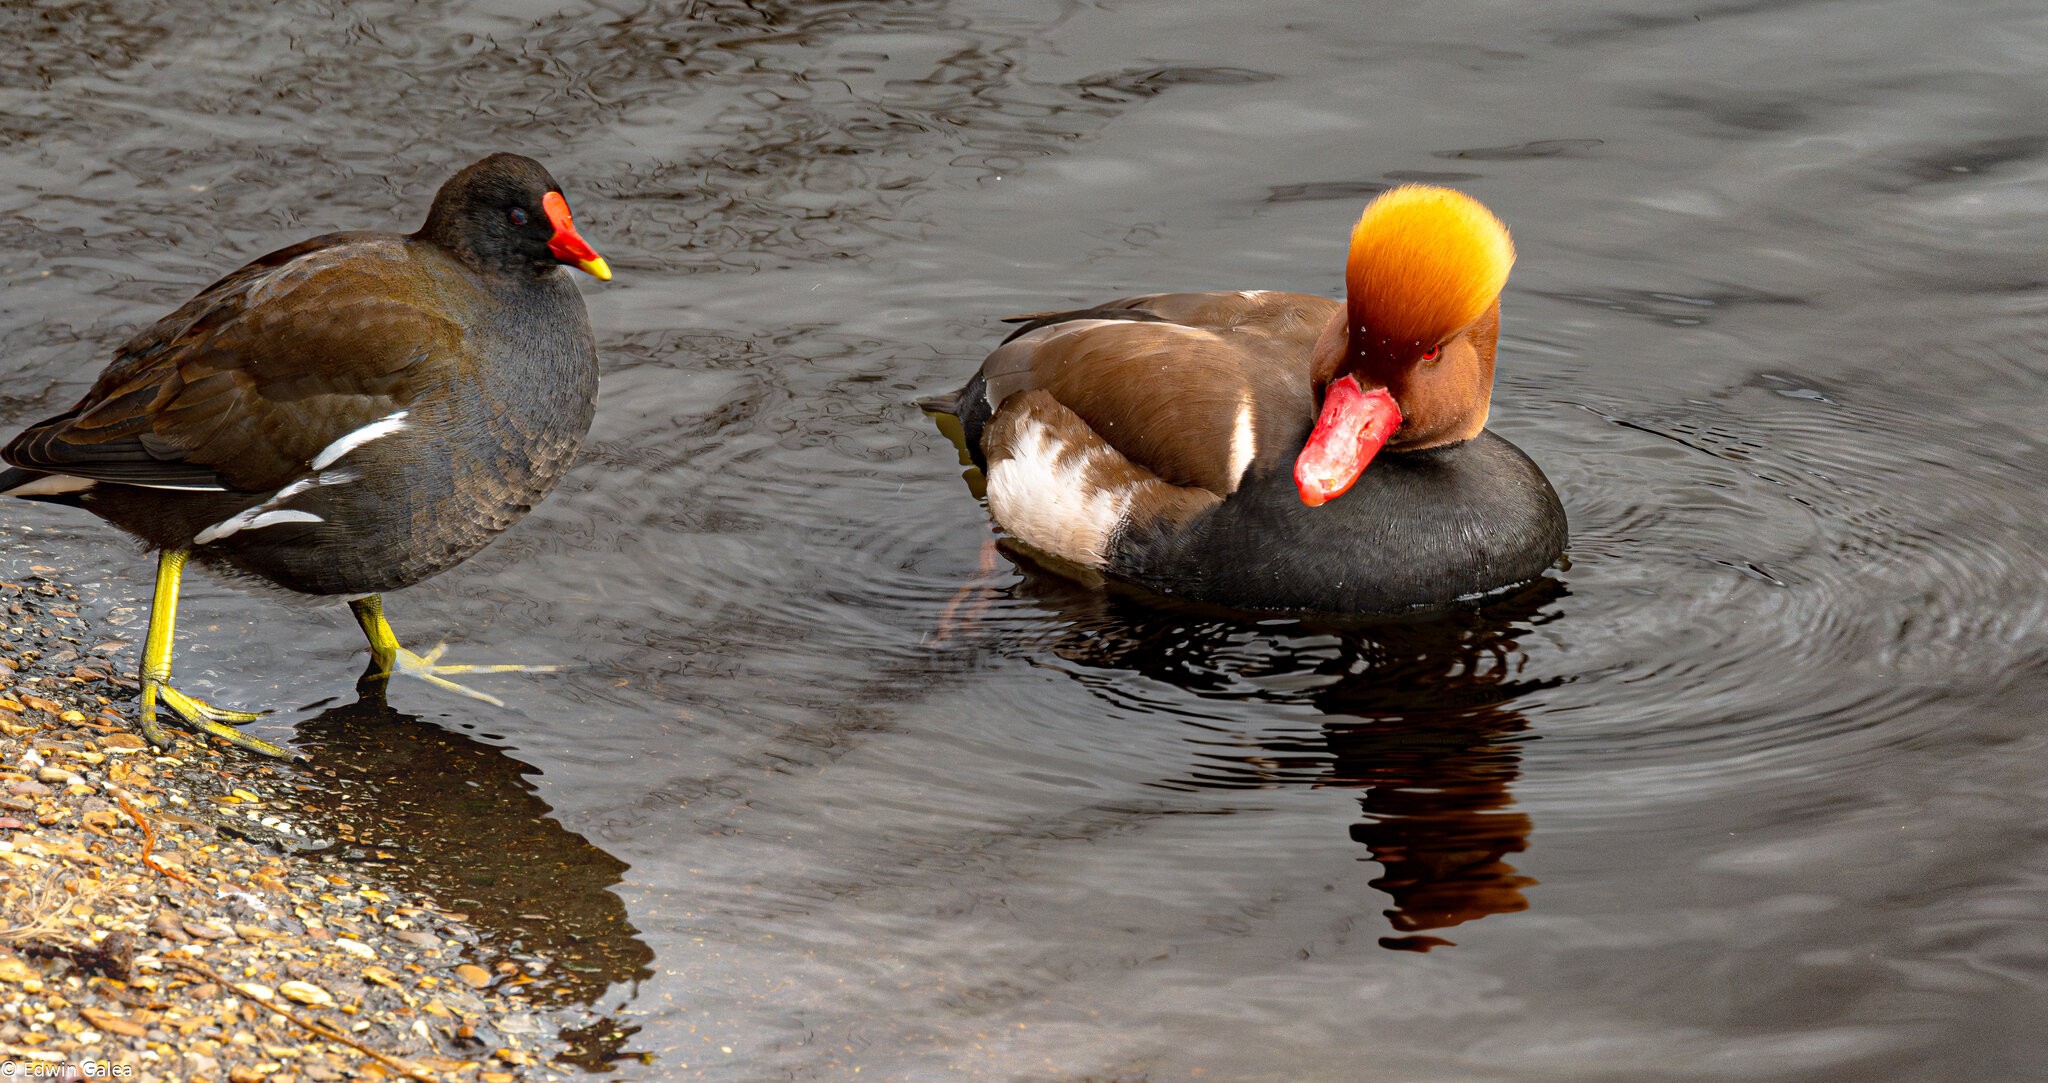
(1418, 529)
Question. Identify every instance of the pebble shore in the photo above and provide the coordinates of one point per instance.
(162, 918)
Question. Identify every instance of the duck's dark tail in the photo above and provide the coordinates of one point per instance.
(962, 415)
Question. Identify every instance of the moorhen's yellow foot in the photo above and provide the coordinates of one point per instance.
(202, 717)
(388, 657)
(427, 667)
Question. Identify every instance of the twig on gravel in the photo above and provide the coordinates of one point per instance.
(148, 842)
(317, 1029)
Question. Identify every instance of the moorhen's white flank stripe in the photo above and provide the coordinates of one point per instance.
(268, 513)
(268, 518)
(250, 520)
(375, 430)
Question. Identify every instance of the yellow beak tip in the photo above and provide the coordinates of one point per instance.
(596, 268)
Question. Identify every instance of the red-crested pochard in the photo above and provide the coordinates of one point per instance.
(1215, 446)
(346, 416)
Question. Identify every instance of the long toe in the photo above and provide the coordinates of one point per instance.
(204, 717)
(194, 708)
(429, 668)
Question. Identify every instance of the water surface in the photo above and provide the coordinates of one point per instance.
(1753, 789)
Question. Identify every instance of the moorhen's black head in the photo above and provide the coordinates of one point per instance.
(506, 213)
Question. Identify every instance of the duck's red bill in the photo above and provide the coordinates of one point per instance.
(1354, 425)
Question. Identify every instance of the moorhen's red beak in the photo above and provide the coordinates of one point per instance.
(568, 245)
(1354, 425)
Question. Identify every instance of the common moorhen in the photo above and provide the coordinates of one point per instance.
(346, 416)
(1197, 444)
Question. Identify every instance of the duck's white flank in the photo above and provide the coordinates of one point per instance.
(1043, 493)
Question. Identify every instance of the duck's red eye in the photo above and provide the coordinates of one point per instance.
(1430, 354)
(518, 217)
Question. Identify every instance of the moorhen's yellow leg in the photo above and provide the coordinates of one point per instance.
(156, 672)
(387, 657)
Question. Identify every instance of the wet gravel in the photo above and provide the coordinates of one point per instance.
(164, 915)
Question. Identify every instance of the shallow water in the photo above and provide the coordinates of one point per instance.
(1753, 789)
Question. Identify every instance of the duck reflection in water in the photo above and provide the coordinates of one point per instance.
(1419, 715)
(458, 820)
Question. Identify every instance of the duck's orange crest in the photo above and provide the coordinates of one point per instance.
(1425, 263)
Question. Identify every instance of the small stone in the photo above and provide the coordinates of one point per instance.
(203, 931)
(260, 992)
(165, 924)
(122, 742)
(113, 1024)
(464, 1001)
(355, 947)
(307, 993)
(57, 775)
(474, 976)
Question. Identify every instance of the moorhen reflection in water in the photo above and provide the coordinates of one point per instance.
(1419, 716)
(458, 820)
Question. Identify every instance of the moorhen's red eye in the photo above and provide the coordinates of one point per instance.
(518, 217)
(1430, 355)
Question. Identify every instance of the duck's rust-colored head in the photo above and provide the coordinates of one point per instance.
(1408, 363)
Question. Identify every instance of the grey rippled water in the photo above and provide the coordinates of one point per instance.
(1752, 789)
